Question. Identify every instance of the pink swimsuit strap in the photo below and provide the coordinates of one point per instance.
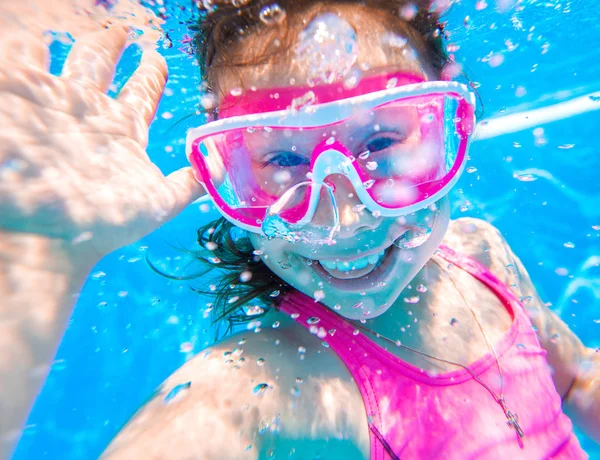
(385, 381)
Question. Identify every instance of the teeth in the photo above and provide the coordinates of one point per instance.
(357, 264)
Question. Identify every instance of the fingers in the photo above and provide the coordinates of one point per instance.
(144, 89)
(185, 188)
(94, 57)
(24, 49)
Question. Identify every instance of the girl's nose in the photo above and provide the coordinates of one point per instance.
(354, 217)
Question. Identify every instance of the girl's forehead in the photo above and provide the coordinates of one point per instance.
(333, 46)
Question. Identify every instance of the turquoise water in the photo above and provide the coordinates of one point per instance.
(132, 328)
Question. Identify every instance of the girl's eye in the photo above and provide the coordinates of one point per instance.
(383, 142)
(287, 160)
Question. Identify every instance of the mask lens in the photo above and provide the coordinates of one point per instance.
(403, 152)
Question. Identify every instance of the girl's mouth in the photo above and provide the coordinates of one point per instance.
(352, 269)
(354, 274)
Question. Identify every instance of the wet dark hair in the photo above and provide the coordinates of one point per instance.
(222, 27)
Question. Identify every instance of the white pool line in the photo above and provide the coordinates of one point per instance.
(515, 122)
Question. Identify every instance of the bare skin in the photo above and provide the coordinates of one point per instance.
(74, 186)
(220, 402)
(59, 217)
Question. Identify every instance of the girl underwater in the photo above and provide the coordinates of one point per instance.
(336, 134)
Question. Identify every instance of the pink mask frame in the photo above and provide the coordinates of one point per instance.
(276, 108)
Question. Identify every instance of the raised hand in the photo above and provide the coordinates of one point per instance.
(73, 162)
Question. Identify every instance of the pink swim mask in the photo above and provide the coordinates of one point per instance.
(267, 162)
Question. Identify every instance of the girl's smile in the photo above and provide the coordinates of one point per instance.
(364, 272)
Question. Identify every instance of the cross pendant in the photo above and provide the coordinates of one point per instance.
(513, 422)
(513, 419)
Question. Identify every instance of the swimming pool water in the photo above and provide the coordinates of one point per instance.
(539, 186)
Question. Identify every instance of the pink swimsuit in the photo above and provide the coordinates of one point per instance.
(416, 415)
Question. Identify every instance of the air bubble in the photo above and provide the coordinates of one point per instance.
(260, 389)
(412, 300)
(272, 14)
(177, 390)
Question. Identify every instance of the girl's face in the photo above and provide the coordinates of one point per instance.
(363, 273)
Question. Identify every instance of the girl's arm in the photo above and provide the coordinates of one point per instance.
(75, 184)
(39, 285)
(576, 368)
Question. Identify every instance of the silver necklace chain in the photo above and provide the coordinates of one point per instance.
(512, 417)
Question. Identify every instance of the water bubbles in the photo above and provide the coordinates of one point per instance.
(526, 300)
(299, 380)
(394, 41)
(282, 177)
(327, 48)
(413, 238)
(337, 306)
(178, 390)
(301, 350)
(453, 322)
(525, 177)
(259, 390)
(318, 296)
(371, 165)
(275, 293)
(304, 101)
(245, 276)
(409, 12)
(355, 332)
(496, 60)
(272, 14)
(276, 324)
(260, 361)
(471, 169)
(236, 92)
(253, 310)
(421, 288)
(241, 341)
(211, 246)
(412, 300)
(59, 365)
(313, 320)
(368, 184)
(97, 275)
(186, 347)
(295, 315)
(358, 208)
(569, 245)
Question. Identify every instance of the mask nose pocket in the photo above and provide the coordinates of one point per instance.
(305, 213)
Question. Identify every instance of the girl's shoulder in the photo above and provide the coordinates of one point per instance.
(480, 240)
(278, 383)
